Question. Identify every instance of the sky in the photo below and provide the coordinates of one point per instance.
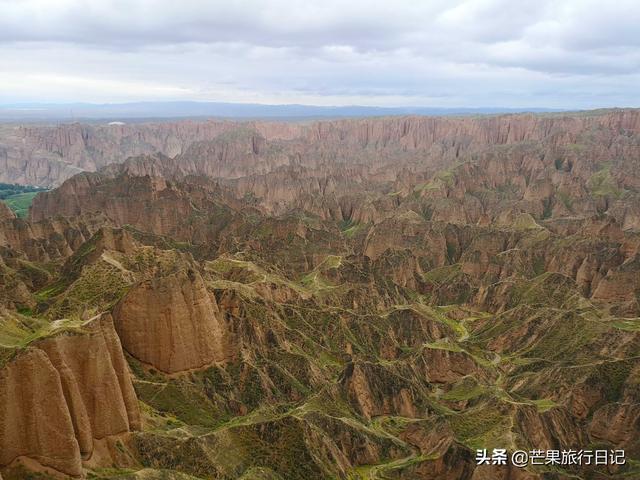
(569, 54)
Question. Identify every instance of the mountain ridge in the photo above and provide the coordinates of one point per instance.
(194, 109)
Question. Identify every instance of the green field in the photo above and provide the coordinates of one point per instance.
(20, 203)
(19, 197)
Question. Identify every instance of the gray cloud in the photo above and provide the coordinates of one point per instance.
(562, 53)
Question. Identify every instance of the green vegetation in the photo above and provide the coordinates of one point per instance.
(628, 324)
(18, 331)
(525, 221)
(442, 179)
(602, 184)
(485, 426)
(566, 200)
(349, 228)
(9, 190)
(19, 197)
(20, 203)
(137, 474)
(467, 389)
(442, 274)
(99, 286)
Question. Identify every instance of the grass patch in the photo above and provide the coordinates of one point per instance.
(566, 200)
(481, 427)
(352, 230)
(442, 275)
(17, 332)
(467, 389)
(544, 404)
(627, 324)
(20, 203)
(602, 184)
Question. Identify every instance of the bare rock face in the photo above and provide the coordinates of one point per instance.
(36, 418)
(555, 427)
(173, 323)
(152, 204)
(5, 212)
(62, 395)
(621, 285)
(515, 170)
(49, 239)
(44, 155)
(147, 202)
(617, 423)
(376, 148)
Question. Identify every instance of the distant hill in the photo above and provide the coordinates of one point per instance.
(158, 110)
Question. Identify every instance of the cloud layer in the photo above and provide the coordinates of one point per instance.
(474, 53)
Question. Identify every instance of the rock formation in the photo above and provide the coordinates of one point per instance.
(5, 212)
(62, 394)
(173, 323)
(372, 298)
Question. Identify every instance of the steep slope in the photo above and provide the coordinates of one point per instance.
(188, 331)
(47, 155)
(5, 212)
(66, 396)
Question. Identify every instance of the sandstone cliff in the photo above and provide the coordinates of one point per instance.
(63, 394)
(173, 323)
(50, 239)
(5, 212)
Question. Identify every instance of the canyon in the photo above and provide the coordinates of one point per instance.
(356, 299)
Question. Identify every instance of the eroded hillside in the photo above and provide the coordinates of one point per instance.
(359, 299)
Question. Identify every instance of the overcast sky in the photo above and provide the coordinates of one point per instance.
(474, 53)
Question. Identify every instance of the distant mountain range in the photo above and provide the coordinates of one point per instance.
(157, 110)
